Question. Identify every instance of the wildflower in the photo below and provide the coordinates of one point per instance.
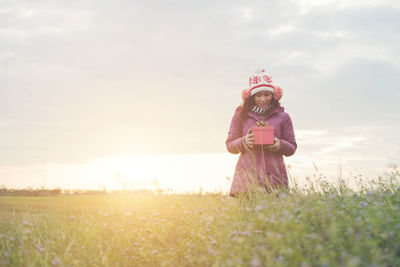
(190, 245)
(12, 238)
(286, 213)
(27, 232)
(369, 192)
(280, 258)
(312, 235)
(363, 204)
(229, 262)
(211, 251)
(259, 208)
(270, 220)
(354, 261)
(55, 261)
(241, 233)
(283, 195)
(26, 222)
(255, 262)
(72, 217)
(40, 247)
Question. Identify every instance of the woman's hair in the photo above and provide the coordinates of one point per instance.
(248, 103)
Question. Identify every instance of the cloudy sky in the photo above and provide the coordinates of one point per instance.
(87, 80)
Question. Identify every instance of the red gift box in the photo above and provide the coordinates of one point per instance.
(263, 134)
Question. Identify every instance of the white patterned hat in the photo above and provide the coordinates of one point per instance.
(260, 81)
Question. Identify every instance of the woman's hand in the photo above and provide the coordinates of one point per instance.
(248, 139)
(275, 146)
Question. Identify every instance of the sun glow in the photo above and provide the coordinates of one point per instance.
(186, 173)
(170, 173)
(177, 173)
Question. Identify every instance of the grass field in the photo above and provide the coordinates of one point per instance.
(333, 228)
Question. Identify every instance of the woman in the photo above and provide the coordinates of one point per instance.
(260, 166)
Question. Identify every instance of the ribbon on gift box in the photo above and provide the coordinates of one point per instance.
(262, 124)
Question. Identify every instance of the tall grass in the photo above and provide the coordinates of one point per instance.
(324, 224)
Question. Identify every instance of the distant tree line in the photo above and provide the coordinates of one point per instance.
(4, 191)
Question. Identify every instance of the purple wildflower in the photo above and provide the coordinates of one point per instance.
(55, 261)
(40, 247)
(255, 262)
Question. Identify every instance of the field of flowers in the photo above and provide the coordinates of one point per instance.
(336, 227)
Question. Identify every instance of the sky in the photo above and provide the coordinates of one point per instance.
(88, 85)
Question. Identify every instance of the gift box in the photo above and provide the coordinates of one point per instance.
(263, 134)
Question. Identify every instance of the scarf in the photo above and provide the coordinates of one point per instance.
(262, 112)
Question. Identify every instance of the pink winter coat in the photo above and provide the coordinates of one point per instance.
(260, 166)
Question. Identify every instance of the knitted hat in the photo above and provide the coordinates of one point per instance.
(261, 81)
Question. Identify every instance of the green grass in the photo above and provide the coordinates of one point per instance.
(334, 228)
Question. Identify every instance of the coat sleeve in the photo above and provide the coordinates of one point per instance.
(234, 141)
(288, 140)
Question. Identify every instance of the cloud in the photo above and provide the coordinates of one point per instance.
(363, 148)
(82, 79)
(345, 143)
